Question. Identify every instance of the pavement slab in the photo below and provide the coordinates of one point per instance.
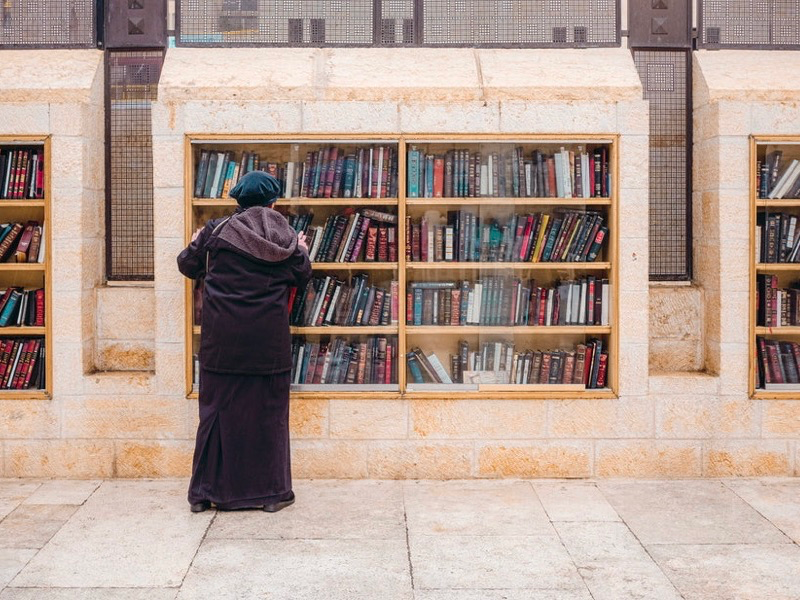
(732, 572)
(299, 570)
(13, 492)
(127, 534)
(32, 526)
(88, 594)
(323, 510)
(504, 594)
(613, 563)
(778, 501)
(11, 562)
(63, 492)
(475, 508)
(688, 512)
(574, 501)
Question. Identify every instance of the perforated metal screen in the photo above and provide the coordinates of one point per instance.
(665, 76)
(132, 84)
(498, 23)
(765, 24)
(47, 23)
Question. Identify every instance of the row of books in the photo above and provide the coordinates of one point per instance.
(778, 178)
(331, 301)
(564, 236)
(351, 236)
(776, 307)
(461, 172)
(502, 301)
(22, 173)
(22, 242)
(331, 172)
(22, 363)
(22, 308)
(777, 238)
(372, 360)
(502, 363)
(778, 362)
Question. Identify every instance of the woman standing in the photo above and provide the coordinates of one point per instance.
(249, 261)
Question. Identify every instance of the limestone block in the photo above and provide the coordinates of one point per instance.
(168, 156)
(50, 75)
(408, 460)
(777, 118)
(634, 162)
(619, 418)
(597, 74)
(733, 317)
(705, 164)
(725, 160)
(369, 419)
(633, 117)
(153, 459)
(535, 459)
(735, 117)
(125, 356)
(124, 417)
(67, 368)
(634, 213)
(478, 419)
(450, 117)
(76, 214)
(170, 311)
(28, 419)
(729, 75)
(205, 73)
(413, 74)
(675, 355)
(167, 117)
(725, 214)
(242, 117)
(734, 267)
(170, 368)
(797, 460)
(705, 122)
(125, 313)
(65, 459)
(329, 459)
(119, 384)
(684, 384)
(548, 116)
(781, 418)
(68, 158)
(734, 367)
(67, 313)
(647, 458)
(634, 256)
(308, 418)
(350, 117)
(167, 278)
(68, 119)
(676, 312)
(633, 369)
(694, 416)
(24, 119)
(740, 458)
(169, 212)
(634, 320)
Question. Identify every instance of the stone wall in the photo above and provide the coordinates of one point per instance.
(139, 424)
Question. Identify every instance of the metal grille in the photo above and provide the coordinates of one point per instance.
(665, 76)
(47, 23)
(494, 23)
(132, 84)
(760, 24)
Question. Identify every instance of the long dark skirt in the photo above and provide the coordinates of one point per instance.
(241, 456)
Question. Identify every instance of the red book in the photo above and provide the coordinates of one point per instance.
(5, 354)
(438, 177)
(601, 370)
(330, 170)
(372, 244)
(551, 177)
(39, 296)
(587, 364)
(526, 238)
(383, 244)
(22, 367)
(32, 365)
(387, 375)
(409, 227)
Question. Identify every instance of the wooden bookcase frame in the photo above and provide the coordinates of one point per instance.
(756, 268)
(610, 267)
(40, 207)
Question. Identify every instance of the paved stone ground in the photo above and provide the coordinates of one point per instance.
(415, 540)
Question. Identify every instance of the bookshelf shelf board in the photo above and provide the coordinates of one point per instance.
(761, 394)
(768, 267)
(22, 203)
(496, 201)
(789, 330)
(774, 203)
(490, 266)
(538, 392)
(22, 266)
(354, 266)
(510, 330)
(337, 330)
(22, 331)
(306, 202)
(24, 395)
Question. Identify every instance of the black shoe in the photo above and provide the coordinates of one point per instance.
(200, 506)
(276, 506)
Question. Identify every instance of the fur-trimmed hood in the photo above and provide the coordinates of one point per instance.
(260, 232)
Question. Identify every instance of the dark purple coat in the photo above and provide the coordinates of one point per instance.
(253, 260)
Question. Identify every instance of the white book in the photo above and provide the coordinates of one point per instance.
(470, 304)
(576, 302)
(489, 178)
(21, 306)
(42, 245)
(435, 306)
(567, 172)
(548, 317)
(758, 244)
(438, 368)
(14, 366)
(380, 171)
(582, 305)
(780, 299)
(358, 192)
(606, 299)
(485, 180)
(784, 181)
(528, 179)
(430, 244)
(509, 359)
(369, 172)
(558, 160)
(290, 167)
(319, 300)
(355, 224)
(7, 178)
(332, 307)
(34, 169)
(568, 316)
(518, 303)
(298, 367)
(476, 313)
(217, 174)
(790, 233)
(587, 193)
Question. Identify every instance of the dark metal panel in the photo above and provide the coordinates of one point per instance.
(47, 24)
(136, 24)
(659, 24)
(666, 79)
(751, 24)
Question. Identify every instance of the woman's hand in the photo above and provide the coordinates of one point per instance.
(196, 233)
(301, 241)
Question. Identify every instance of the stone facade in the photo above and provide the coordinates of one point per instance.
(138, 423)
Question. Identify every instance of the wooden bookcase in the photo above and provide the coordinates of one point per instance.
(438, 339)
(786, 273)
(30, 275)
